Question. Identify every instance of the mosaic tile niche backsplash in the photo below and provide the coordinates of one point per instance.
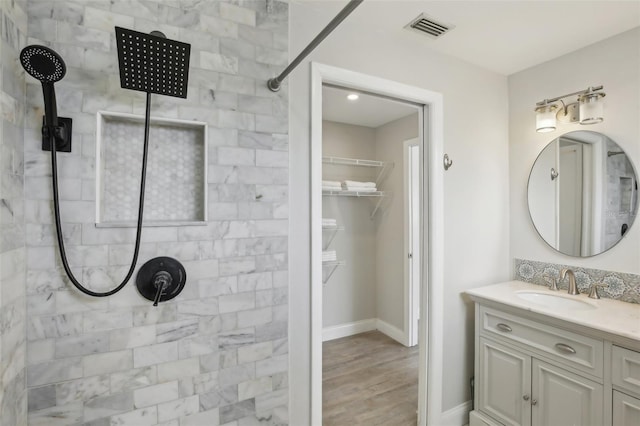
(619, 286)
(218, 353)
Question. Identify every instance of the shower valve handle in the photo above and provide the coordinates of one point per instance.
(161, 281)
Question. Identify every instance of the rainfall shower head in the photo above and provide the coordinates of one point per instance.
(153, 64)
(43, 63)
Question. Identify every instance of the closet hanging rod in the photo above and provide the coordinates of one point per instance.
(274, 83)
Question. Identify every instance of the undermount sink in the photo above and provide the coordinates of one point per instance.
(555, 301)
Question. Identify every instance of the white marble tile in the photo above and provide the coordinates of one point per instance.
(179, 408)
(218, 27)
(217, 62)
(209, 418)
(256, 281)
(54, 371)
(270, 366)
(178, 369)
(172, 331)
(82, 389)
(83, 344)
(266, 402)
(134, 379)
(134, 337)
(104, 20)
(107, 406)
(255, 352)
(153, 395)
(197, 345)
(237, 410)
(155, 354)
(39, 351)
(236, 266)
(237, 302)
(201, 307)
(254, 317)
(57, 416)
(109, 362)
(107, 320)
(238, 14)
(253, 388)
(143, 417)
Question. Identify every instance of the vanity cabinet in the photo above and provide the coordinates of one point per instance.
(517, 387)
(545, 366)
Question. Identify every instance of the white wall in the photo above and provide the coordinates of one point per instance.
(350, 294)
(614, 63)
(390, 245)
(476, 187)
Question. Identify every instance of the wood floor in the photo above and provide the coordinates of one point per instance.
(369, 379)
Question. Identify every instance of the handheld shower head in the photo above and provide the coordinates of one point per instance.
(42, 63)
(47, 66)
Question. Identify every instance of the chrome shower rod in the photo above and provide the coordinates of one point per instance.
(274, 83)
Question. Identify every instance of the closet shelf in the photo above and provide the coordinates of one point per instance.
(345, 193)
(385, 166)
(330, 267)
(380, 195)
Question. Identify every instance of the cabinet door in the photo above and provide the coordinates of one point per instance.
(626, 410)
(505, 382)
(560, 398)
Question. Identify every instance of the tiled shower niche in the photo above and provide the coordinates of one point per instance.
(176, 192)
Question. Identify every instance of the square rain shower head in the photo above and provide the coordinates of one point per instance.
(152, 64)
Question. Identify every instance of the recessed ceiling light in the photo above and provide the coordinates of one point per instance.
(352, 96)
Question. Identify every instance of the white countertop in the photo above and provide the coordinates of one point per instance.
(610, 316)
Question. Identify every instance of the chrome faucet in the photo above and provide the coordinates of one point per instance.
(573, 288)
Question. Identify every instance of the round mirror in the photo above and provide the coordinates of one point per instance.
(582, 193)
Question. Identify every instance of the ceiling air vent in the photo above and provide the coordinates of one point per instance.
(429, 26)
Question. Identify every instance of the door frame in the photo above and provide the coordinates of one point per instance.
(431, 133)
(411, 314)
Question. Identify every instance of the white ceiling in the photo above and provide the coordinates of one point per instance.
(503, 36)
(367, 110)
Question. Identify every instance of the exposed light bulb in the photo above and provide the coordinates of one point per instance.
(353, 96)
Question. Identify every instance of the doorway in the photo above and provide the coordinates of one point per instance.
(431, 240)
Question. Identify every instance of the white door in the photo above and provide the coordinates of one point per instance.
(543, 194)
(560, 398)
(570, 214)
(412, 239)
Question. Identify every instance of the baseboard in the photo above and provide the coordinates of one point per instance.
(351, 328)
(456, 416)
(348, 329)
(391, 331)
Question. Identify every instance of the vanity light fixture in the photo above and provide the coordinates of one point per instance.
(588, 109)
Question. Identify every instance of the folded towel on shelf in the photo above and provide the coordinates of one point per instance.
(331, 183)
(329, 255)
(355, 183)
(329, 222)
(332, 188)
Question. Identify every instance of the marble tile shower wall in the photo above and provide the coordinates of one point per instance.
(218, 353)
(13, 401)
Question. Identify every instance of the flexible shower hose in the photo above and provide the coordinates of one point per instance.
(56, 208)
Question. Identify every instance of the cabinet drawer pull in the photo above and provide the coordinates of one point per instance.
(565, 348)
(504, 327)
